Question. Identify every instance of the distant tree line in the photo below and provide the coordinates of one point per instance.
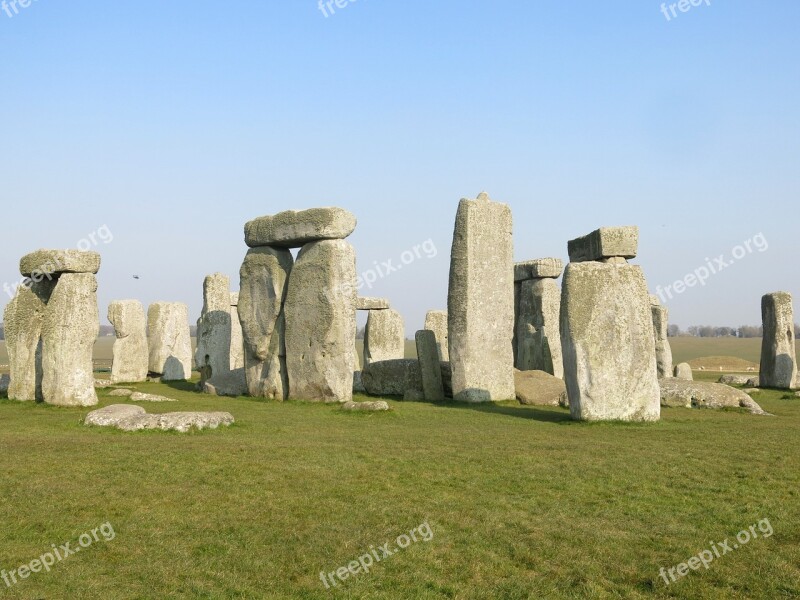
(707, 331)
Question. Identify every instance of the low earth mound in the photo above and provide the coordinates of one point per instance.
(724, 363)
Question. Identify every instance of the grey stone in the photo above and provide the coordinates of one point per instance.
(102, 383)
(700, 394)
(71, 325)
(134, 418)
(237, 339)
(141, 397)
(538, 388)
(663, 348)
(605, 243)
(212, 356)
(392, 377)
(233, 383)
(358, 385)
(373, 406)
(436, 321)
(5, 381)
(608, 343)
(122, 392)
(384, 336)
(734, 379)
(43, 264)
(264, 282)
(481, 302)
(293, 228)
(414, 396)
(684, 371)
(130, 352)
(538, 337)
(430, 366)
(321, 322)
(778, 358)
(538, 268)
(109, 416)
(753, 382)
(366, 303)
(170, 342)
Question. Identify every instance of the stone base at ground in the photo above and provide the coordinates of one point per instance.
(538, 388)
(233, 383)
(135, 418)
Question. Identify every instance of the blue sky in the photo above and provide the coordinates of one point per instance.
(174, 123)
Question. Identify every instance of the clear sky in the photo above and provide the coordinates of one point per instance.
(173, 123)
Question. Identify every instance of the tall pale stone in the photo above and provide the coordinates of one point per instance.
(684, 371)
(538, 337)
(130, 352)
(170, 341)
(264, 278)
(384, 336)
(663, 348)
(608, 343)
(480, 302)
(778, 359)
(23, 320)
(321, 322)
(436, 321)
(237, 341)
(430, 366)
(71, 325)
(213, 352)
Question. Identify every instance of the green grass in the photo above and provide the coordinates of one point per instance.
(523, 502)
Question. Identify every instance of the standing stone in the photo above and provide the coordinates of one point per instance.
(71, 325)
(170, 340)
(480, 302)
(430, 366)
(237, 341)
(537, 319)
(663, 348)
(213, 352)
(778, 359)
(608, 343)
(321, 322)
(130, 352)
(384, 336)
(684, 371)
(436, 321)
(23, 320)
(264, 279)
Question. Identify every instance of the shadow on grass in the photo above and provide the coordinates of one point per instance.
(183, 386)
(522, 412)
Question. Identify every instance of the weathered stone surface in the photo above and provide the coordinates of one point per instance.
(71, 325)
(237, 339)
(384, 336)
(605, 243)
(373, 406)
(366, 303)
(538, 337)
(5, 381)
(233, 383)
(734, 379)
(23, 320)
(358, 385)
(481, 302)
(122, 392)
(430, 366)
(700, 394)
(392, 377)
(43, 264)
(608, 343)
(134, 418)
(321, 322)
(293, 228)
(778, 359)
(436, 321)
(538, 388)
(684, 371)
(142, 397)
(213, 353)
(538, 268)
(663, 348)
(130, 352)
(102, 383)
(170, 342)
(264, 281)
(753, 382)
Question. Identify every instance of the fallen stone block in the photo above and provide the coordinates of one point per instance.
(539, 388)
(699, 394)
(375, 405)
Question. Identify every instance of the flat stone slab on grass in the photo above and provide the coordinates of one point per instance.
(375, 405)
(367, 303)
(142, 397)
(121, 392)
(700, 394)
(134, 418)
(294, 228)
(538, 388)
(603, 243)
(734, 379)
(44, 262)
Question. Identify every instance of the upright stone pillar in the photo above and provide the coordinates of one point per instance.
(237, 341)
(429, 365)
(537, 326)
(778, 358)
(480, 302)
(130, 352)
(436, 321)
(384, 336)
(663, 348)
(170, 341)
(213, 353)
(607, 331)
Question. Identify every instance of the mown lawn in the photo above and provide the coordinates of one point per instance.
(522, 502)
